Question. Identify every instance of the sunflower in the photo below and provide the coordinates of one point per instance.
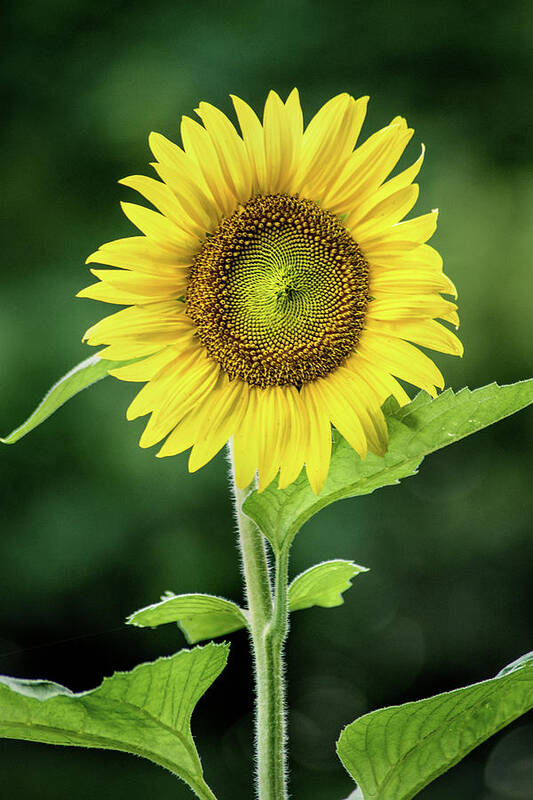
(276, 290)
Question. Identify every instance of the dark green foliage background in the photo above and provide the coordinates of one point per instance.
(93, 527)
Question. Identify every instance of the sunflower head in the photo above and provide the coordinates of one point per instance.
(276, 290)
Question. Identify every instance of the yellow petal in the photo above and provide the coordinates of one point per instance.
(401, 359)
(198, 145)
(278, 145)
(160, 229)
(140, 254)
(252, 133)
(184, 434)
(400, 181)
(403, 254)
(343, 193)
(383, 384)
(292, 454)
(396, 280)
(368, 167)
(123, 351)
(318, 450)
(230, 150)
(408, 306)
(222, 415)
(383, 215)
(418, 230)
(246, 440)
(427, 333)
(161, 387)
(192, 383)
(327, 143)
(183, 176)
(274, 431)
(165, 201)
(205, 213)
(183, 165)
(129, 288)
(337, 392)
(146, 369)
(295, 120)
(162, 323)
(367, 405)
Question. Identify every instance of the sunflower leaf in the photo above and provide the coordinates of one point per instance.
(200, 616)
(417, 429)
(395, 752)
(80, 377)
(323, 584)
(204, 616)
(146, 711)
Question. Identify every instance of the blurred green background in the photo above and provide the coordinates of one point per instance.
(94, 528)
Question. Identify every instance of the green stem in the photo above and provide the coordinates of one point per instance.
(268, 629)
(275, 636)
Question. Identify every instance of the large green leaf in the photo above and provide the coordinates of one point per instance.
(146, 711)
(323, 584)
(417, 429)
(200, 616)
(86, 373)
(395, 752)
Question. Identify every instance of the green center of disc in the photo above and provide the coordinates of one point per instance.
(279, 292)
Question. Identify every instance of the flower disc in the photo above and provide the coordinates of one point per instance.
(279, 292)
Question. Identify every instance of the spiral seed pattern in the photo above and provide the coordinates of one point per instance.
(279, 292)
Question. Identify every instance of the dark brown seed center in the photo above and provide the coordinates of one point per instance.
(279, 292)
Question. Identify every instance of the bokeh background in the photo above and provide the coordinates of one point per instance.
(94, 528)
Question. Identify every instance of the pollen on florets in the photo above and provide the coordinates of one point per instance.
(279, 292)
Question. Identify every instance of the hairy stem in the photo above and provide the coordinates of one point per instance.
(268, 629)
